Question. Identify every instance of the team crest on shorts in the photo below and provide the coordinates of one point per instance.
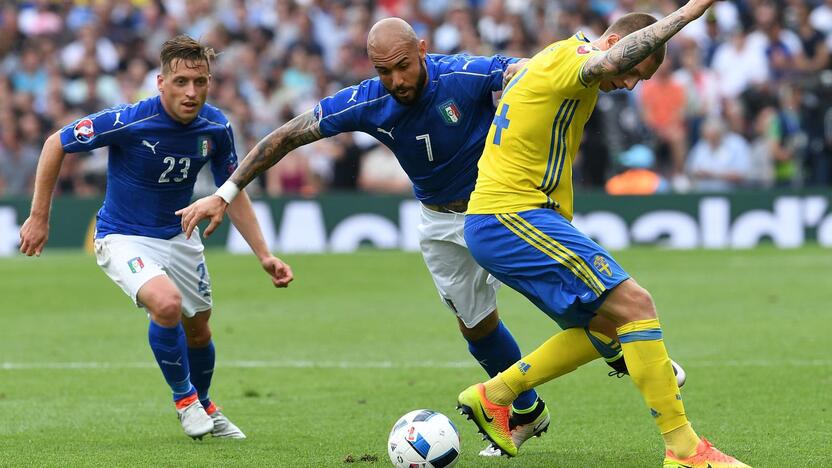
(600, 263)
(450, 112)
(136, 264)
(84, 131)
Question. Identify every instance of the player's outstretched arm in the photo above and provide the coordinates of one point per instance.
(35, 230)
(242, 215)
(635, 47)
(301, 130)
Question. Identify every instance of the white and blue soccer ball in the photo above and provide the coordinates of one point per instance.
(423, 439)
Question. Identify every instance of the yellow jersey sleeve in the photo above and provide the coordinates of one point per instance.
(563, 63)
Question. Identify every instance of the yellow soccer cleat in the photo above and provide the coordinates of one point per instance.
(706, 456)
(491, 419)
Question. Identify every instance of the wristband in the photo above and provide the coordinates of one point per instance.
(227, 191)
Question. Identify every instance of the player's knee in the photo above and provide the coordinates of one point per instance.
(640, 304)
(199, 338)
(167, 310)
(483, 328)
(629, 302)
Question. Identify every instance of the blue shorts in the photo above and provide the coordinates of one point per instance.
(541, 255)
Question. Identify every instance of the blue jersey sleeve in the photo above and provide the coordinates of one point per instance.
(493, 67)
(104, 128)
(343, 111)
(224, 160)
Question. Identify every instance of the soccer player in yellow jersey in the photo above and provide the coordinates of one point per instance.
(518, 228)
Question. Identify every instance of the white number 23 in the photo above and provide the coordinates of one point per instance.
(171, 162)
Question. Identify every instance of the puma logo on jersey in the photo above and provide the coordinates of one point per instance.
(389, 133)
(118, 119)
(467, 62)
(152, 147)
(354, 93)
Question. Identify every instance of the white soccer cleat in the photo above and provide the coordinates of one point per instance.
(523, 432)
(195, 421)
(225, 428)
(491, 451)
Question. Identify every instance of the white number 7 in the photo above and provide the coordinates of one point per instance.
(426, 137)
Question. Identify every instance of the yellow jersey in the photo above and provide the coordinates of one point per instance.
(527, 160)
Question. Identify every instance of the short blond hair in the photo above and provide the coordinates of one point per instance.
(184, 48)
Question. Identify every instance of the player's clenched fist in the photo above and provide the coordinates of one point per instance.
(698, 7)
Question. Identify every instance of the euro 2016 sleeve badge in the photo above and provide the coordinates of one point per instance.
(83, 131)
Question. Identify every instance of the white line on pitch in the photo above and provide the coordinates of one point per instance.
(285, 364)
(305, 364)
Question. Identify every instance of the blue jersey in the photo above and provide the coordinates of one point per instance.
(438, 139)
(153, 163)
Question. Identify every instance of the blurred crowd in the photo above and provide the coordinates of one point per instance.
(744, 99)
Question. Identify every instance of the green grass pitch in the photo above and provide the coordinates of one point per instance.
(317, 374)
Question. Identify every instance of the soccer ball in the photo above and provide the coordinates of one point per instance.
(423, 439)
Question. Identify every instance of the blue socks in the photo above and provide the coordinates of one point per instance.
(202, 369)
(496, 353)
(171, 351)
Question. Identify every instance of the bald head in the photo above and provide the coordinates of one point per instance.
(398, 56)
(391, 33)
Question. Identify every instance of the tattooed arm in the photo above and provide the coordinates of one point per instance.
(301, 130)
(295, 133)
(637, 46)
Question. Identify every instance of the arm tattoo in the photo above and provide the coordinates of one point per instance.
(301, 130)
(633, 48)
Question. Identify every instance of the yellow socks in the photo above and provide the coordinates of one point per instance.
(647, 362)
(498, 392)
(682, 441)
(652, 373)
(559, 355)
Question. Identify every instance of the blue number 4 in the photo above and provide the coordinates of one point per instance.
(501, 122)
